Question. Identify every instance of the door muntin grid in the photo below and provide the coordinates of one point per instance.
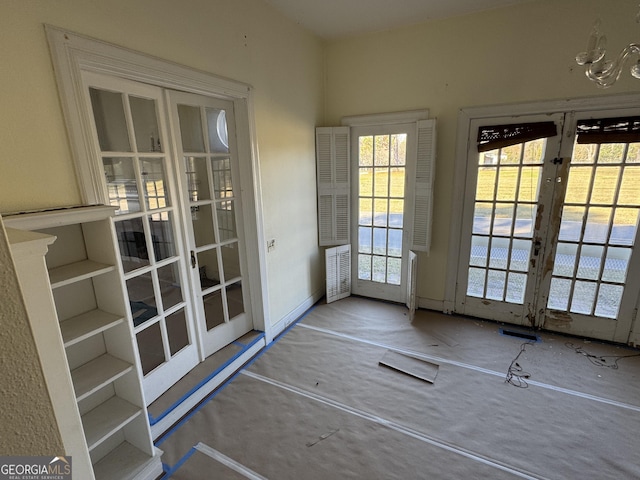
(598, 228)
(505, 209)
(136, 181)
(381, 191)
(214, 207)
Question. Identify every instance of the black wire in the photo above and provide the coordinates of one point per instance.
(515, 375)
(600, 360)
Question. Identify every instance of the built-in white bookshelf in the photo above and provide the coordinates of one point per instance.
(85, 281)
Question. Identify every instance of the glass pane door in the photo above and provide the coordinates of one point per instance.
(595, 242)
(138, 180)
(381, 173)
(210, 179)
(506, 217)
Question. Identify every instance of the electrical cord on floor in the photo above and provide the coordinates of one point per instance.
(600, 360)
(515, 375)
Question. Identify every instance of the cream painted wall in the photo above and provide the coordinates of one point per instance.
(510, 55)
(28, 424)
(245, 40)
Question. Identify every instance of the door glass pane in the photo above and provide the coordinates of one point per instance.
(584, 294)
(380, 241)
(516, 287)
(222, 183)
(365, 239)
(150, 347)
(559, 294)
(191, 128)
(475, 282)
(111, 126)
(478, 251)
(364, 267)
(161, 228)
(132, 243)
(197, 178)
(154, 183)
(120, 176)
(208, 268)
(590, 262)
(609, 298)
(202, 221)
(218, 136)
(170, 287)
(142, 299)
(565, 263)
(395, 243)
(235, 300)
(177, 331)
(226, 220)
(625, 226)
(213, 309)
(499, 253)
(230, 261)
(393, 270)
(616, 265)
(145, 124)
(496, 281)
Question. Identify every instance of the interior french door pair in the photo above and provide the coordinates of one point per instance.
(550, 223)
(170, 166)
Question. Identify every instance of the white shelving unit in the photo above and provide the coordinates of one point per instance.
(97, 337)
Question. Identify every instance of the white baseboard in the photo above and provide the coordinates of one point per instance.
(296, 313)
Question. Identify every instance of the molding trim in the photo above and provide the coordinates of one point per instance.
(385, 118)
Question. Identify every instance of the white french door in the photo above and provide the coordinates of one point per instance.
(139, 178)
(207, 153)
(383, 159)
(550, 224)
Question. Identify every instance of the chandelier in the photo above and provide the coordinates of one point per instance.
(605, 72)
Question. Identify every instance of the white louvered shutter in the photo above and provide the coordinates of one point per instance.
(425, 174)
(332, 164)
(338, 266)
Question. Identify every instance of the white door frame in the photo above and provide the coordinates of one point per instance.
(463, 146)
(73, 53)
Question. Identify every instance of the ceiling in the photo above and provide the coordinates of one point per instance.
(332, 19)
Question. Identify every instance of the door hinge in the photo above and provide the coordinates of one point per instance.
(193, 259)
(557, 161)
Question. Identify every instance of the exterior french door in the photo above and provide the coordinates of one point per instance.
(207, 153)
(381, 234)
(550, 228)
(139, 179)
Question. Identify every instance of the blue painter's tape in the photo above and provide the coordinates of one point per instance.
(206, 400)
(177, 403)
(171, 470)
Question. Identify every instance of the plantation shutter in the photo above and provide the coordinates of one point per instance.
(425, 173)
(338, 270)
(332, 164)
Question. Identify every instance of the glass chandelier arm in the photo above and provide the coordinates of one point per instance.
(606, 73)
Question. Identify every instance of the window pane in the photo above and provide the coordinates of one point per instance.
(170, 287)
(516, 287)
(145, 124)
(507, 183)
(218, 136)
(366, 211)
(366, 151)
(226, 220)
(161, 228)
(597, 227)
(565, 261)
(364, 239)
(577, 185)
(197, 178)
(381, 152)
(222, 182)
(208, 268)
(630, 187)
(495, 285)
(132, 243)
(395, 243)
(534, 151)
(625, 226)
(230, 261)
(122, 188)
(590, 260)
(379, 273)
(611, 152)
(475, 282)
(486, 183)
(380, 241)
(381, 182)
(364, 267)
(393, 271)
(605, 183)
(529, 184)
(202, 221)
(571, 223)
(235, 302)
(213, 309)
(559, 294)
(616, 264)
(190, 128)
(511, 155)
(366, 182)
(609, 298)
(177, 331)
(520, 252)
(396, 211)
(111, 125)
(380, 213)
(478, 251)
(150, 348)
(525, 215)
(156, 191)
(503, 220)
(142, 299)
(584, 294)
(499, 252)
